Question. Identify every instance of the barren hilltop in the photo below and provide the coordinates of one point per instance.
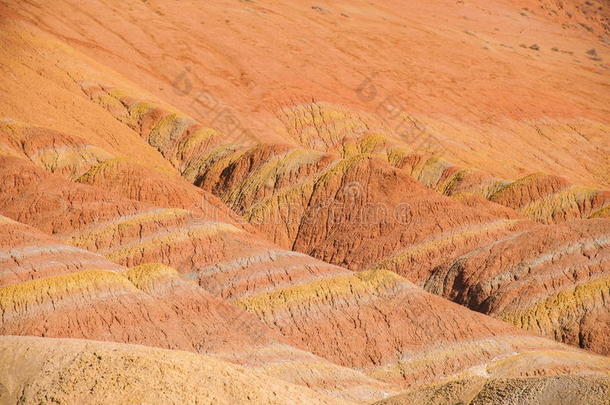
(337, 202)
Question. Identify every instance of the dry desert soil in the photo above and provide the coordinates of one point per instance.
(305, 202)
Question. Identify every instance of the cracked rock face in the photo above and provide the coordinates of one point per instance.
(397, 204)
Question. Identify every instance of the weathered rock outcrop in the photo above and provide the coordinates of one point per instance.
(544, 198)
(27, 254)
(265, 225)
(54, 151)
(389, 319)
(550, 280)
(276, 285)
(353, 203)
(314, 201)
(150, 304)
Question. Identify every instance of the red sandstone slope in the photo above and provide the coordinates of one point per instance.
(316, 202)
(151, 304)
(457, 67)
(124, 235)
(133, 232)
(552, 281)
(28, 254)
(262, 281)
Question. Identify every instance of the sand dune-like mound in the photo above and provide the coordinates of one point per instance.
(534, 390)
(299, 203)
(81, 371)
